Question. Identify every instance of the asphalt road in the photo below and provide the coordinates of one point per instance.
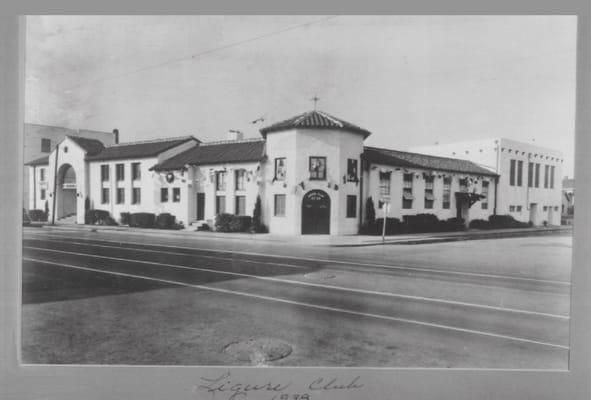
(104, 297)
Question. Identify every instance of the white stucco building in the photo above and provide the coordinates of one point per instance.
(530, 186)
(312, 173)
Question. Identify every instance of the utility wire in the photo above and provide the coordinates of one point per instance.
(205, 52)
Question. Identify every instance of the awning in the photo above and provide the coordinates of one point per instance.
(471, 198)
(408, 196)
(429, 196)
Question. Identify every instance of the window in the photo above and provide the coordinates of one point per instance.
(546, 176)
(279, 205)
(429, 199)
(537, 182)
(407, 196)
(136, 196)
(42, 194)
(220, 180)
(464, 185)
(385, 183)
(530, 174)
(280, 169)
(136, 172)
(239, 177)
(446, 192)
(518, 208)
(485, 194)
(119, 172)
(555, 208)
(552, 177)
(352, 170)
(220, 204)
(163, 195)
(104, 173)
(511, 208)
(519, 173)
(351, 206)
(317, 168)
(240, 205)
(512, 173)
(545, 208)
(42, 175)
(105, 195)
(120, 196)
(176, 195)
(45, 145)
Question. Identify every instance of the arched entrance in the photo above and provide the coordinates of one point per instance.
(316, 213)
(66, 200)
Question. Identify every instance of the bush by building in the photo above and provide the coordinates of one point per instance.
(413, 224)
(256, 225)
(142, 220)
(98, 217)
(506, 221)
(167, 221)
(37, 215)
(125, 218)
(235, 223)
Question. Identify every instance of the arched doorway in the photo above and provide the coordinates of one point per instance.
(316, 213)
(66, 200)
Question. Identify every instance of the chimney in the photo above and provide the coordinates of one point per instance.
(116, 135)
(235, 135)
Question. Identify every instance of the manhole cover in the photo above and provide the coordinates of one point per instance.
(258, 351)
(319, 275)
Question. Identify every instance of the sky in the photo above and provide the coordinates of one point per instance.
(410, 80)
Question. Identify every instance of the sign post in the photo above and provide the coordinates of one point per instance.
(386, 210)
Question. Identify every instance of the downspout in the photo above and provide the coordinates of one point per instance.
(34, 187)
(496, 185)
(57, 150)
(360, 197)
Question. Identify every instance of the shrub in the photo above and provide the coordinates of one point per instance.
(142, 220)
(222, 222)
(256, 216)
(204, 227)
(240, 223)
(454, 224)
(98, 217)
(370, 212)
(165, 221)
(37, 215)
(506, 221)
(393, 226)
(479, 224)
(422, 223)
(125, 218)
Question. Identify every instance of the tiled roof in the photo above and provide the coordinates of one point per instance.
(216, 153)
(138, 149)
(39, 161)
(416, 160)
(314, 120)
(90, 146)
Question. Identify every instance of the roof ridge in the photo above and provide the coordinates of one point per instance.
(247, 140)
(333, 119)
(152, 141)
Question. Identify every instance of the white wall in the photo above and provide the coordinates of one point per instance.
(297, 146)
(372, 188)
(35, 201)
(497, 153)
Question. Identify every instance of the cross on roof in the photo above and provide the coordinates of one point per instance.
(315, 100)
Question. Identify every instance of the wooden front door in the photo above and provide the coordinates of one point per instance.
(200, 206)
(316, 213)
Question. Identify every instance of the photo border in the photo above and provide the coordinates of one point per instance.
(176, 382)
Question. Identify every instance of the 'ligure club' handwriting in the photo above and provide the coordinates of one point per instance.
(236, 390)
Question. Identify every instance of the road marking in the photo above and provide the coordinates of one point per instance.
(383, 266)
(309, 305)
(316, 285)
(177, 253)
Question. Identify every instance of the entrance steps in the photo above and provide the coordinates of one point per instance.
(70, 219)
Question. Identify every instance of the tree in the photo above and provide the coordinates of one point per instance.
(46, 210)
(256, 215)
(370, 211)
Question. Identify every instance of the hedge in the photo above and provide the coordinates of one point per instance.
(167, 221)
(142, 220)
(234, 223)
(37, 215)
(499, 222)
(413, 224)
(125, 218)
(98, 217)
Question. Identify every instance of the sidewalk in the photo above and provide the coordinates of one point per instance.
(327, 240)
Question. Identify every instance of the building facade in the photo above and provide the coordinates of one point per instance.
(530, 183)
(312, 173)
(40, 140)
